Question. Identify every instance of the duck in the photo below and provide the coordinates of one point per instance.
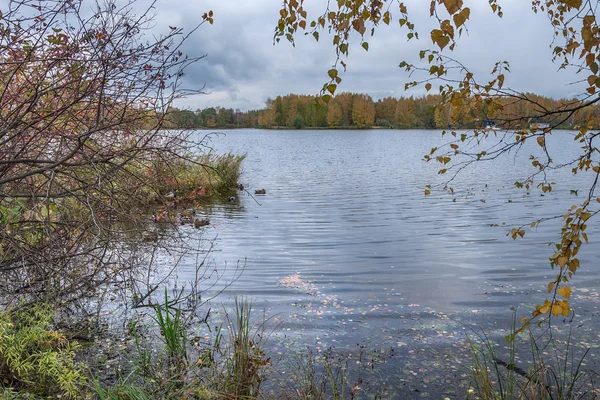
(150, 236)
(260, 191)
(198, 223)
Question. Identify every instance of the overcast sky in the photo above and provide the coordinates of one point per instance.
(243, 67)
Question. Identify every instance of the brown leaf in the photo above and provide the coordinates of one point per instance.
(453, 5)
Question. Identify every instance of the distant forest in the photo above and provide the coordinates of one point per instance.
(354, 110)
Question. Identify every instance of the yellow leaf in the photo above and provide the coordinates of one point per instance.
(564, 292)
(545, 309)
(562, 261)
(550, 287)
(541, 141)
(556, 309)
(438, 37)
(461, 17)
(386, 17)
(453, 5)
(427, 192)
(565, 308)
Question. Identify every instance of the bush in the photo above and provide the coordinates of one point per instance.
(36, 359)
(298, 122)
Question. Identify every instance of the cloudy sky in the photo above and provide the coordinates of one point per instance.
(243, 67)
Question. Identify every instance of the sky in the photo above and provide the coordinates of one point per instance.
(243, 67)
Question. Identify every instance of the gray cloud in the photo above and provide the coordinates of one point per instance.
(244, 68)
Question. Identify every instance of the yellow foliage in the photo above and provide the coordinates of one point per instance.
(564, 292)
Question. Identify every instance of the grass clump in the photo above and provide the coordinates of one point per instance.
(203, 176)
(553, 372)
(36, 360)
(319, 377)
(231, 367)
(245, 359)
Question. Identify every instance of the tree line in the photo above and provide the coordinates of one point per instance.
(357, 110)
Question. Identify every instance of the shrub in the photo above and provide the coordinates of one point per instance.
(36, 359)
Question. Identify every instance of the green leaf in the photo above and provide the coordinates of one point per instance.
(365, 46)
(333, 73)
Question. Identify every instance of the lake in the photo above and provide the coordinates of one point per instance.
(345, 250)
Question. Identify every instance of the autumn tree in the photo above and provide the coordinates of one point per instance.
(363, 110)
(385, 110)
(405, 113)
(83, 96)
(576, 42)
(334, 114)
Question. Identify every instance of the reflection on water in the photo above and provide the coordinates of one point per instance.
(344, 246)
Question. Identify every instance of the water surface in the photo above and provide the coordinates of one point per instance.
(345, 248)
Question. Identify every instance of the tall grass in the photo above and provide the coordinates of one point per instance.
(318, 377)
(203, 176)
(173, 332)
(230, 367)
(242, 374)
(553, 372)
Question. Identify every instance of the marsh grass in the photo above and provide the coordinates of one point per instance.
(208, 175)
(122, 392)
(230, 366)
(244, 362)
(173, 333)
(553, 371)
(319, 377)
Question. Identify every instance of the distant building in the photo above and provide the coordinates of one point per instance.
(488, 123)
